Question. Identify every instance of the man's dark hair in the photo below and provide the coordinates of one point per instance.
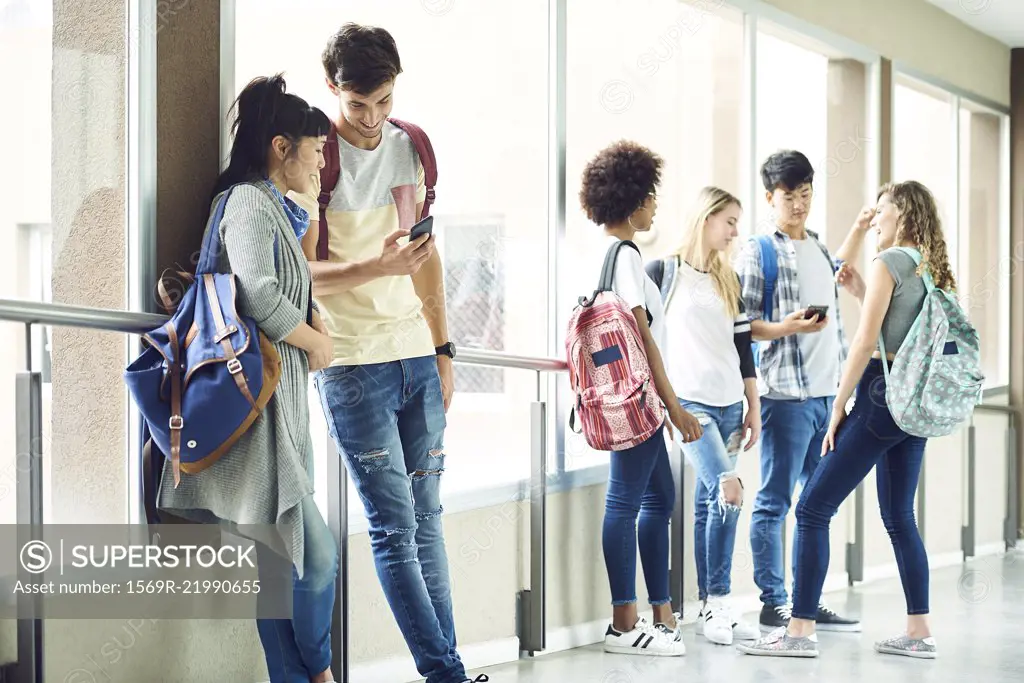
(361, 58)
(788, 169)
(618, 180)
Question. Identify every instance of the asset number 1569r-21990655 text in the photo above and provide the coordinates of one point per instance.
(197, 587)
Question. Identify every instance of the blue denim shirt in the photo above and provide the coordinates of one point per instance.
(297, 216)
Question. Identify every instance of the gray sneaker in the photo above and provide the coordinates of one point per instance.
(922, 648)
(778, 643)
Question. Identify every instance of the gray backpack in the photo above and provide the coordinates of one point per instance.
(936, 378)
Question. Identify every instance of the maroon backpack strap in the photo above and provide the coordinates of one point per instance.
(328, 181)
(426, 153)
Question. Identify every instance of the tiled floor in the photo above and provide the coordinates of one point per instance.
(977, 619)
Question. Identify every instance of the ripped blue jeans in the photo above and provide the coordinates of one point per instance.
(388, 421)
(713, 458)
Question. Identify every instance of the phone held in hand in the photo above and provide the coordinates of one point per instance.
(816, 312)
(424, 227)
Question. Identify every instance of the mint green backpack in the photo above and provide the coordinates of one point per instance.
(936, 373)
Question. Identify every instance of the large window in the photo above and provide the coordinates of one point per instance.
(792, 101)
(956, 148)
(486, 115)
(985, 260)
(667, 75)
(923, 150)
(814, 99)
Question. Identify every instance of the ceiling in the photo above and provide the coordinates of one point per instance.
(1001, 19)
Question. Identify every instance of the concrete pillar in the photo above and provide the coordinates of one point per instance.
(89, 268)
(188, 128)
(1016, 240)
(846, 165)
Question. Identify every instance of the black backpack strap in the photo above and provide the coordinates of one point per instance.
(608, 270)
(150, 482)
(656, 271)
(608, 274)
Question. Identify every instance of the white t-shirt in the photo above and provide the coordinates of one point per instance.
(820, 350)
(631, 284)
(703, 363)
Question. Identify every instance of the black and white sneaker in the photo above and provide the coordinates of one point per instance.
(827, 620)
(775, 616)
(674, 633)
(643, 639)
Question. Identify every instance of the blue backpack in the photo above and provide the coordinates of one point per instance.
(770, 266)
(208, 372)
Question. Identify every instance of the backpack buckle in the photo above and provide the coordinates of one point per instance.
(177, 422)
(234, 366)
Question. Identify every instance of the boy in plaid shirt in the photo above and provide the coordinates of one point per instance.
(800, 365)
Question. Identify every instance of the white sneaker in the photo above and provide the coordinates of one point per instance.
(717, 622)
(674, 633)
(644, 639)
(741, 630)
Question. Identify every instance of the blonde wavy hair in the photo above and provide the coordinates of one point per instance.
(711, 201)
(920, 225)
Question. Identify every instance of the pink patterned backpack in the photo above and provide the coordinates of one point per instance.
(614, 395)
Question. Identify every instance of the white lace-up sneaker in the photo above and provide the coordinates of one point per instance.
(741, 630)
(718, 622)
(643, 639)
(675, 633)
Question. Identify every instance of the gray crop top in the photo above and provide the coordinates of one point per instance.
(907, 298)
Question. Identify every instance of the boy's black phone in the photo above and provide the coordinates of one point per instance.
(424, 227)
(817, 312)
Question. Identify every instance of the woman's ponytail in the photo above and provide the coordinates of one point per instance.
(263, 110)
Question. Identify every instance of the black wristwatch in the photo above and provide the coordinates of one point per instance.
(446, 349)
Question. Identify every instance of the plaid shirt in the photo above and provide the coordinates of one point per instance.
(782, 369)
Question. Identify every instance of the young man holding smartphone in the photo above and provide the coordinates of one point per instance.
(387, 391)
(799, 367)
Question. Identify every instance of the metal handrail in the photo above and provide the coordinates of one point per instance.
(531, 601)
(1011, 524)
(1009, 410)
(67, 315)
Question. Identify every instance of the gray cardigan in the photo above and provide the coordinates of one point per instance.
(263, 479)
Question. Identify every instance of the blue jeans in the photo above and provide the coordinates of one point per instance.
(640, 484)
(299, 648)
(388, 421)
(714, 520)
(867, 438)
(791, 436)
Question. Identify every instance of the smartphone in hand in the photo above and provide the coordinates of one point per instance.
(816, 312)
(424, 227)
